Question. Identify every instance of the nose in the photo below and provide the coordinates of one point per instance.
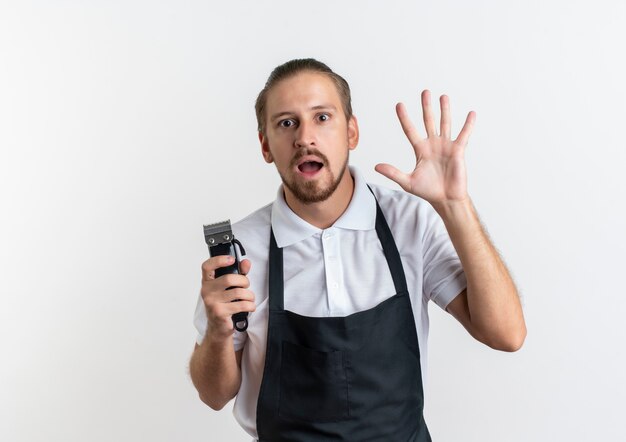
(305, 135)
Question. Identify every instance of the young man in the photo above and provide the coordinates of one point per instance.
(339, 275)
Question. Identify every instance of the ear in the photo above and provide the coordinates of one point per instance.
(353, 133)
(265, 148)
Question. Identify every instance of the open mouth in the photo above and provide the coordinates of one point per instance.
(310, 167)
(309, 164)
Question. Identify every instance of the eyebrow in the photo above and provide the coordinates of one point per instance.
(318, 107)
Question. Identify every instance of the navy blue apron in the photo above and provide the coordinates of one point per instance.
(354, 378)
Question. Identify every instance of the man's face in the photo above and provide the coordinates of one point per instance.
(307, 135)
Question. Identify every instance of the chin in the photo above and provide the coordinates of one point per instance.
(310, 192)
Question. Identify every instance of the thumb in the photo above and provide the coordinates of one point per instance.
(394, 175)
(244, 266)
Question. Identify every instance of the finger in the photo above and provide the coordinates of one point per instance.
(210, 265)
(407, 126)
(230, 280)
(244, 266)
(236, 294)
(240, 306)
(429, 121)
(394, 175)
(445, 116)
(224, 311)
(467, 129)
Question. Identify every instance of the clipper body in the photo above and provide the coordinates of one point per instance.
(221, 241)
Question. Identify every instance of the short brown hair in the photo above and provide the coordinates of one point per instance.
(293, 67)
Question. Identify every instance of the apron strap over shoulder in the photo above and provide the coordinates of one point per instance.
(276, 302)
(390, 249)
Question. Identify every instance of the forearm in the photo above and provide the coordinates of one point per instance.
(214, 371)
(494, 306)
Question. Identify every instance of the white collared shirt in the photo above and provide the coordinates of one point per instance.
(340, 270)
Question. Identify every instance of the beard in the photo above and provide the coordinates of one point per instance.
(313, 191)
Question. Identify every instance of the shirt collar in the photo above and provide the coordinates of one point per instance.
(289, 228)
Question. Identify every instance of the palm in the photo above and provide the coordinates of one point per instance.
(439, 174)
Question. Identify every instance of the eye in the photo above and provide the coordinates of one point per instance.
(323, 117)
(286, 123)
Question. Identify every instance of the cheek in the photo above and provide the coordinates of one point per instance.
(338, 133)
(281, 160)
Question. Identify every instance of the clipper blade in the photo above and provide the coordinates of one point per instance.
(218, 233)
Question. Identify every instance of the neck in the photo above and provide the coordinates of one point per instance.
(324, 214)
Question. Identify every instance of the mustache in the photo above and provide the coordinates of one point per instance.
(308, 151)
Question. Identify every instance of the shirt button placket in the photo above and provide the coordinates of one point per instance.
(332, 266)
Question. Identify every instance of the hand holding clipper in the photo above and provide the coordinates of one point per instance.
(221, 241)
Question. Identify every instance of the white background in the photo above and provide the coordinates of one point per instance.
(126, 125)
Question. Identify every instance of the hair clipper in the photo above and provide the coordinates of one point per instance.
(221, 241)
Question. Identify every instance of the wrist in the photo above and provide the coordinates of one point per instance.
(215, 339)
(453, 210)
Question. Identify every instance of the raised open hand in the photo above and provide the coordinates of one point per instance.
(439, 175)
